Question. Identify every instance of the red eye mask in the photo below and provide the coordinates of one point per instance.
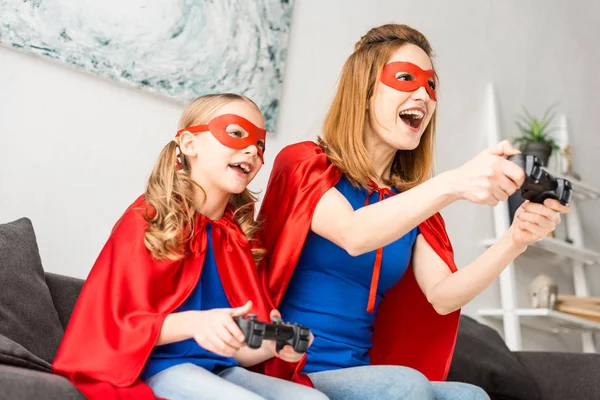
(221, 127)
(419, 77)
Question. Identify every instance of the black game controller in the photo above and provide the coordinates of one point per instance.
(539, 185)
(256, 331)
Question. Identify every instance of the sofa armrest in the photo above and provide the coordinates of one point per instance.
(65, 291)
(26, 384)
(564, 375)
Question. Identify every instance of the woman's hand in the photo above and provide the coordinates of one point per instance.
(488, 178)
(216, 331)
(533, 221)
(287, 353)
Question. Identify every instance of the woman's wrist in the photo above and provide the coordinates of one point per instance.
(509, 244)
(450, 185)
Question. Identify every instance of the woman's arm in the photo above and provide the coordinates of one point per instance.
(381, 223)
(488, 178)
(447, 292)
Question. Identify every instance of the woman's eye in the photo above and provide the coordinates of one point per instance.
(431, 83)
(404, 76)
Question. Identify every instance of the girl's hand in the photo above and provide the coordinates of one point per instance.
(533, 221)
(216, 331)
(287, 353)
(488, 178)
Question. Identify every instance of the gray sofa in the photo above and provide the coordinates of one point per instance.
(25, 382)
(35, 307)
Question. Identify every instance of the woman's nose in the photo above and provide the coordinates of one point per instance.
(421, 94)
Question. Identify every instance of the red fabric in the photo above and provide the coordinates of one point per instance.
(218, 127)
(407, 330)
(420, 77)
(378, 253)
(128, 294)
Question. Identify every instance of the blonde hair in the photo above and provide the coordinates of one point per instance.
(344, 126)
(170, 191)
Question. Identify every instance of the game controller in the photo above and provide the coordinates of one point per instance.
(539, 185)
(256, 331)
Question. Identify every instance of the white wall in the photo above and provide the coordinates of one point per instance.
(75, 152)
(537, 52)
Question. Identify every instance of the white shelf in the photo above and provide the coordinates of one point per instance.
(581, 191)
(546, 319)
(562, 248)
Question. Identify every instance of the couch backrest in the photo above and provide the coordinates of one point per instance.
(65, 291)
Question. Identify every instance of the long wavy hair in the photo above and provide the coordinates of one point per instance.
(170, 191)
(344, 126)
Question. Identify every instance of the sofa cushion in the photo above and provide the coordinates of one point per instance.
(482, 358)
(64, 291)
(12, 353)
(562, 375)
(21, 383)
(27, 313)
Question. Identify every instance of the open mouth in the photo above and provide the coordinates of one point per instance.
(412, 118)
(241, 167)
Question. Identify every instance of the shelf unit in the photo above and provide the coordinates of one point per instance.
(555, 247)
(578, 257)
(545, 319)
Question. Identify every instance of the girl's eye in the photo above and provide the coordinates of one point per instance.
(431, 83)
(236, 131)
(404, 76)
(261, 145)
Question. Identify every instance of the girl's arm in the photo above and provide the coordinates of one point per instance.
(176, 328)
(216, 331)
(248, 357)
(486, 179)
(447, 292)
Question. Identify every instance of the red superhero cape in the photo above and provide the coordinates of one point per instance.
(128, 294)
(407, 330)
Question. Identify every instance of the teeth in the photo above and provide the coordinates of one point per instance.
(415, 113)
(243, 167)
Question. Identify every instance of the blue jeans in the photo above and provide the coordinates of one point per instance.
(383, 382)
(188, 381)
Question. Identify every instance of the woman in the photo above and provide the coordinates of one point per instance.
(357, 249)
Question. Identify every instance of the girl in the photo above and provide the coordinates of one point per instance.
(357, 215)
(156, 314)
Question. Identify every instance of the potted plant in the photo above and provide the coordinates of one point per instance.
(535, 137)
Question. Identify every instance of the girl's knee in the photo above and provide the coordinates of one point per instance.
(297, 392)
(477, 393)
(311, 394)
(459, 390)
(407, 382)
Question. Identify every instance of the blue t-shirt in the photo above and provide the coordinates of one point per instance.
(208, 294)
(329, 292)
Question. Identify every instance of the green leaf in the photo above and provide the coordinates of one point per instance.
(547, 121)
(534, 130)
(527, 114)
(551, 108)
